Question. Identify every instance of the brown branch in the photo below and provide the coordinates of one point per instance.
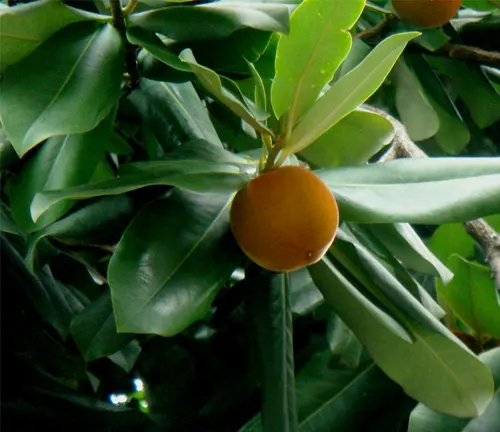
(466, 52)
(371, 32)
(403, 147)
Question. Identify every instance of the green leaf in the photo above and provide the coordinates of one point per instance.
(94, 330)
(212, 20)
(426, 191)
(304, 296)
(352, 141)
(196, 175)
(61, 162)
(81, 84)
(405, 244)
(414, 107)
(472, 87)
(171, 262)
(162, 105)
(345, 348)
(472, 296)
(435, 369)
(270, 309)
(307, 60)
(424, 419)
(348, 92)
(127, 356)
(480, 5)
(219, 88)
(260, 90)
(338, 399)
(24, 27)
(451, 239)
(85, 225)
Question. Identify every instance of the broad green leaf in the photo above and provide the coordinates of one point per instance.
(171, 262)
(402, 240)
(345, 348)
(150, 41)
(472, 87)
(493, 76)
(212, 20)
(85, 225)
(453, 134)
(94, 330)
(60, 162)
(424, 190)
(451, 239)
(480, 5)
(127, 356)
(435, 369)
(307, 60)
(472, 296)
(84, 66)
(352, 141)
(25, 27)
(162, 105)
(8, 156)
(340, 399)
(348, 92)
(196, 175)
(269, 306)
(424, 419)
(260, 96)
(414, 107)
(305, 297)
(7, 223)
(213, 83)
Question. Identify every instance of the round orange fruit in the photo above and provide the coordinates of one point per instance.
(284, 219)
(426, 13)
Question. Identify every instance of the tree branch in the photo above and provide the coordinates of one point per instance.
(466, 52)
(375, 30)
(403, 147)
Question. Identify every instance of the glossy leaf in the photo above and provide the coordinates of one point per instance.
(25, 27)
(472, 296)
(451, 239)
(270, 308)
(85, 224)
(127, 356)
(345, 348)
(84, 66)
(212, 20)
(352, 141)
(94, 330)
(160, 289)
(402, 240)
(414, 107)
(214, 84)
(304, 295)
(435, 369)
(472, 87)
(348, 92)
(162, 105)
(60, 162)
(427, 191)
(307, 60)
(201, 176)
(424, 419)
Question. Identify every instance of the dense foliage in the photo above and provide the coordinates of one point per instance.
(125, 132)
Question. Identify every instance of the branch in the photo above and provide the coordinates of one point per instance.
(466, 52)
(403, 147)
(375, 30)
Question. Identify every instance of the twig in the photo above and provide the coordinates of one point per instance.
(466, 52)
(403, 147)
(375, 30)
(116, 11)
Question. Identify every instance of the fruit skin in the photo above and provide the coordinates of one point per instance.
(426, 13)
(284, 219)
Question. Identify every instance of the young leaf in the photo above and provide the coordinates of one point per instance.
(352, 141)
(94, 330)
(201, 176)
(427, 191)
(212, 82)
(171, 262)
(270, 309)
(348, 92)
(424, 419)
(212, 20)
(307, 60)
(25, 27)
(435, 369)
(472, 296)
(80, 85)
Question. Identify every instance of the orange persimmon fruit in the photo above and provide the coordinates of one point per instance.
(426, 13)
(284, 219)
